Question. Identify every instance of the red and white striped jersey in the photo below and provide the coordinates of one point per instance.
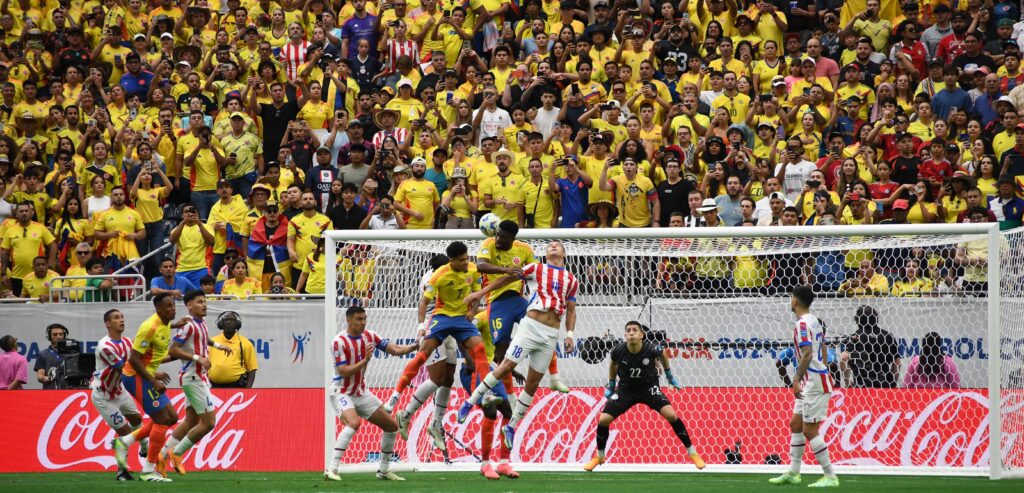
(349, 350)
(399, 133)
(552, 287)
(809, 332)
(396, 49)
(292, 56)
(111, 356)
(194, 337)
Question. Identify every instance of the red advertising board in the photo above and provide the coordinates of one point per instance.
(280, 430)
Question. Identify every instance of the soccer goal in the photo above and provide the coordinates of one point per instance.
(925, 330)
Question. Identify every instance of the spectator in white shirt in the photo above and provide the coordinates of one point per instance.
(794, 169)
(489, 118)
(383, 216)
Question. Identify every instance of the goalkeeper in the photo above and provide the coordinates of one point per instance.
(634, 365)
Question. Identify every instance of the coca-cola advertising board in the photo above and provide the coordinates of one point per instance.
(280, 430)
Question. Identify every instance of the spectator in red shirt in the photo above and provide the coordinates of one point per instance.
(952, 45)
(909, 55)
(937, 169)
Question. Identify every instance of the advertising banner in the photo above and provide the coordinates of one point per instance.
(711, 343)
(280, 430)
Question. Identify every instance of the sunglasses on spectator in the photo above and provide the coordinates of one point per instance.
(83, 252)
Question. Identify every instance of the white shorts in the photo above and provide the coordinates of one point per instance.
(116, 410)
(365, 405)
(198, 395)
(535, 341)
(813, 407)
(448, 351)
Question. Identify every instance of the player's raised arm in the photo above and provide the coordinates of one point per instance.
(400, 349)
(474, 298)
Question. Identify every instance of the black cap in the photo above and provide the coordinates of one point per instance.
(941, 9)
(936, 61)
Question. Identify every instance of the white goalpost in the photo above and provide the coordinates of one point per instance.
(930, 369)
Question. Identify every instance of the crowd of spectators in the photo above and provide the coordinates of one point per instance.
(239, 130)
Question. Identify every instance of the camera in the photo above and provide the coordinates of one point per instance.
(607, 106)
(813, 184)
(393, 23)
(765, 98)
(446, 13)
(736, 146)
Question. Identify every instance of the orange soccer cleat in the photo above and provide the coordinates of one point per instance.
(175, 462)
(505, 469)
(488, 471)
(590, 466)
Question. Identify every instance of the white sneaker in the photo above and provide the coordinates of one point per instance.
(556, 384)
(389, 476)
(331, 475)
(437, 433)
(403, 424)
(392, 402)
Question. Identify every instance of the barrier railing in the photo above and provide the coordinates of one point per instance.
(126, 287)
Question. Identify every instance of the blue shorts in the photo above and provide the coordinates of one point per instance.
(143, 391)
(458, 328)
(503, 314)
(194, 276)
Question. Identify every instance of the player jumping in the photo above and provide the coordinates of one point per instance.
(148, 385)
(190, 345)
(537, 335)
(449, 289)
(109, 396)
(506, 307)
(634, 365)
(812, 386)
(441, 371)
(352, 350)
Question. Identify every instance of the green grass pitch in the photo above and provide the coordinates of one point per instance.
(597, 482)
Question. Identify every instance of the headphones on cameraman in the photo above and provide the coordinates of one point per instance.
(49, 330)
(229, 320)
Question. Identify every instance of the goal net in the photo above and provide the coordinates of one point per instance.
(921, 345)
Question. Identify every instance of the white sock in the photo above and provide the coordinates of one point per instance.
(148, 466)
(478, 393)
(522, 405)
(821, 453)
(171, 443)
(183, 446)
(441, 398)
(340, 444)
(387, 447)
(485, 462)
(420, 396)
(127, 440)
(691, 450)
(554, 378)
(796, 452)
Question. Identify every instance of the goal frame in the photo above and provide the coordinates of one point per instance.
(991, 230)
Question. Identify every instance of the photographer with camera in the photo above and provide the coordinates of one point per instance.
(48, 364)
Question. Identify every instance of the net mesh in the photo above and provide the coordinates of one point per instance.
(1011, 352)
(907, 333)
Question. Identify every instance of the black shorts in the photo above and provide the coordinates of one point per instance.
(620, 402)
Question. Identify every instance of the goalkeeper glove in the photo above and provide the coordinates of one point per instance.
(610, 389)
(672, 380)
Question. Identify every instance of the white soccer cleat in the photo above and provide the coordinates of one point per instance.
(437, 433)
(403, 424)
(392, 402)
(389, 476)
(787, 478)
(556, 384)
(490, 399)
(825, 482)
(331, 475)
(154, 477)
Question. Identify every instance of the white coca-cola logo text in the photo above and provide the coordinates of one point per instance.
(939, 435)
(83, 429)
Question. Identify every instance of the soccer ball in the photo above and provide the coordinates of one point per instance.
(489, 224)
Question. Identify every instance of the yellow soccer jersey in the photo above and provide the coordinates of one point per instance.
(151, 341)
(520, 255)
(449, 288)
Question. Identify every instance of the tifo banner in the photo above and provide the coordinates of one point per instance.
(712, 343)
(257, 430)
(279, 429)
